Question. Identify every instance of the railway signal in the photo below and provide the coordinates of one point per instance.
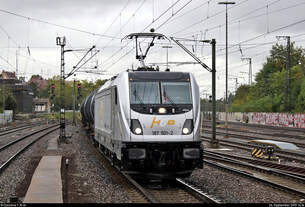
(52, 90)
(79, 88)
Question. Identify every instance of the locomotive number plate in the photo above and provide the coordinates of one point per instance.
(162, 132)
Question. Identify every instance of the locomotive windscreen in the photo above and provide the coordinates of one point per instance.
(160, 92)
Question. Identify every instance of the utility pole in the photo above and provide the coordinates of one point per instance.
(166, 54)
(288, 67)
(74, 101)
(214, 141)
(3, 97)
(288, 96)
(226, 3)
(17, 64)
(250, 69)
(61, 41)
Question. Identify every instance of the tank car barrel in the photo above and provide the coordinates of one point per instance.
(87, 108)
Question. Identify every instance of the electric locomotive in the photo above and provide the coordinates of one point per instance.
(148, 122)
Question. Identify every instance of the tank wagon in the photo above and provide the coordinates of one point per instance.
(147, 122)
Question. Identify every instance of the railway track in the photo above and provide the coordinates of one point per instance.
(23, 143)
(286, 155)
(15, 135)
(259, 126)
(178, 191)
(280, 133)
(283, 186)
(257, 166)
(292, 170)
(247, 137)
(16, 129)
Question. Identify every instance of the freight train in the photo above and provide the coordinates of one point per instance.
(147, 122)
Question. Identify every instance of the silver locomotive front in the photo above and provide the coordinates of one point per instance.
(164, 124)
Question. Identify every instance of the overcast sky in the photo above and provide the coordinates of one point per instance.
(28, 30)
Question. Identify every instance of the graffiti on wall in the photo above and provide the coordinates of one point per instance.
(274, 119)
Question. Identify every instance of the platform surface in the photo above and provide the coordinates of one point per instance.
(46, 184)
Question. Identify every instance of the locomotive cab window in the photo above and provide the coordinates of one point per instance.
(176, 93)
(144, 93)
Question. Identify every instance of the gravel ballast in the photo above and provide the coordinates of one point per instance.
(87, 178)
(88, 181)
(230, 188)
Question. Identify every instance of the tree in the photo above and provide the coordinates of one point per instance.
(87, 88)
(269, 91)
(34, 88)
(300, 106)
(10, 103)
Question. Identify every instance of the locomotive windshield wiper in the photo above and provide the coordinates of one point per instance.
(137, 97)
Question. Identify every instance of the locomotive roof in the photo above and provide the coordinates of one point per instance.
(148, 76)
(157, 75)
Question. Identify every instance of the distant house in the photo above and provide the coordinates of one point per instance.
(8, 75)
(39, 81)
(41, 105)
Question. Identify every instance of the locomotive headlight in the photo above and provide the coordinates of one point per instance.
(138, 130)
(136, 127)
(185, 130)
(162, 110)
(187, 127)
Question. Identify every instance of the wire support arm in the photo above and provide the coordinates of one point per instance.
(75, 68)
(191, 54)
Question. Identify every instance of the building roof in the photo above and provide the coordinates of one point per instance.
(41, 101)
(8, 75)
(39, 81)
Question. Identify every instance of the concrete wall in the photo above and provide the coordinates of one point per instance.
(7, 117)
(274, 119)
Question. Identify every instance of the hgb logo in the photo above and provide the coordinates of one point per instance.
(162, 124)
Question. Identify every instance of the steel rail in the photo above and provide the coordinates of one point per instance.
(271, 134)
(147, 195)
(248, 175)
(254, 167)
(264, 163)
(199, 194)
(299, 144)
(106, 162)
(261, 126)
(4, 129)
(6, 164)
(248, 147)
(16, 129)
(24, 137)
